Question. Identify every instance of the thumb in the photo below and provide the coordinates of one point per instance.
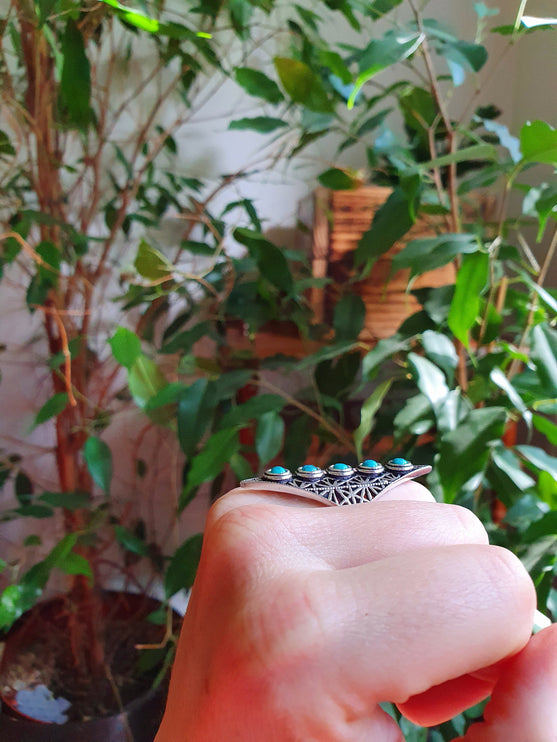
(522, 706)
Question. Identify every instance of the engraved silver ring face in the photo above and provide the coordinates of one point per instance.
(340, 483)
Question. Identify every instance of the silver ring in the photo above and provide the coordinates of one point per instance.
(340, 483)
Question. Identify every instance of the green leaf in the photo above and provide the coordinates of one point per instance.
(531, 21)
(302, 84)
(75, 564)
(368, 412)
(391, 222)
(243, 414)
(511, 143)
(498, 377)
(415, 418)
(471, 280)
(378, 8)
(52, 407)
(383, 351)
(130, 541)
(349, 318)
(182, 342)
(66, 500)
(193, 415)
(439, 349)
(382, 53)
(23, 488)
(151, 263)
(506, 476)
(270, 259)
(538, 143)
(260, 124)
(98, 458)
(474, 152)
(545, 426)
(539, 459)
(257, 83)
(464, 451)
(430, 380)
(75, 82)
(32, 540)
(269, 436)
(544, 355)
(126, 346)
(182, 569)
(433, 252)
(6, 148)
(209, 462)
(336, 180)
(145, 380)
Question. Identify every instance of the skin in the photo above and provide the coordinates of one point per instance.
(303, 618)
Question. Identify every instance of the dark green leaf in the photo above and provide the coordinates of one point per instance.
(98, 458)
(243, 414)
(32, 540)
(183, 341)
(548, 428)
(270, 259)
(193, 415)
(75, 82)
(182, 569)
(349, 318)
(269, 436)
(209, 462)
(390, 222)
(126, 346)
(368, 414)
(130, 541)
(538, 142)
(505, 475)
(261, 124)
(464, 451)
(302, 84)
(379, 8)
(258, 84)
(23, 488)
(169, 395)
(67, 500)
(6, 147)
(471, 280)
(336, 180)
(383, 351)
(433, 252)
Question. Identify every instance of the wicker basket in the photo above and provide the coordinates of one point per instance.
(340, 220)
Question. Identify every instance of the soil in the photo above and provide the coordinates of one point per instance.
(38, 651)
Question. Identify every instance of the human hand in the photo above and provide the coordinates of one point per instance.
(304, 618)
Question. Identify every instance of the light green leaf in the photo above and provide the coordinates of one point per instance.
(498, 377)
(538, 143)
(51, 408)
(260, 124)
(378, 8)
(367, 415)
(539, 459)
(439, 349)
(548, 428)
(182, 569)
(75, 564)
(336, 180)
(415, 418)
(145, 379)
(544, 355)
(531, 21)
(382, 53)
(474, 152)
(98, 458)
(151, 263)
(383, 351)
(302, 84)
(269, 436)
(257, 83)
(126, 346)
(430, 380)
(471, 280)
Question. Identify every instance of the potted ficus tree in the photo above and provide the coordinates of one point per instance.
(87, 152)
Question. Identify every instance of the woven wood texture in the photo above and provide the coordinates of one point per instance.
(340, 220)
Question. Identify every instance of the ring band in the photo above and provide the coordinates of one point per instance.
(340, 483)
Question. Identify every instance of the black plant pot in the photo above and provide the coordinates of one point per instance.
(138, 723)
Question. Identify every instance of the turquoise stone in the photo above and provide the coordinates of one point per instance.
(309, 468)
(340, 467)
(371, 464)
(399, 462)
(278, 470)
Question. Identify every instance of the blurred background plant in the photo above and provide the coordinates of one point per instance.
(214, 338)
